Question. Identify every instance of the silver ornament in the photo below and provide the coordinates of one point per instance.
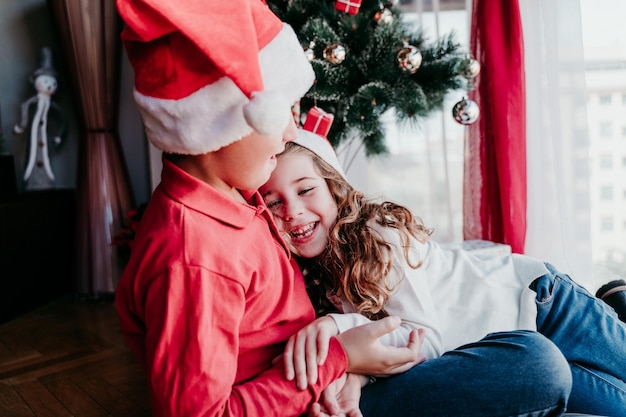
(465, 111)
(409, 59)
(309, 52)
(472, 70)
(383, 16)
(335, 53)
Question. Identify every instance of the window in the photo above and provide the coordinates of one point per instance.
(414, 171)
(606, 223)
(424, 167)
(427, 5)
(606, 192)
(606, 129)
(605, 99)
(606, 161)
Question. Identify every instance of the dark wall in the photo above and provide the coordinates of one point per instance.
(26, 27)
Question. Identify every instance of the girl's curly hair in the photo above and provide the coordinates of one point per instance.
(357, 259)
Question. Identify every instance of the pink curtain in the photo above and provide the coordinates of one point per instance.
(494, 200)
(89, 31)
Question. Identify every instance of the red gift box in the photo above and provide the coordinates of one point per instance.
(318, 121)
(348, 6)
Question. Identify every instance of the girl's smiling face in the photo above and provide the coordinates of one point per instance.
(302, 205)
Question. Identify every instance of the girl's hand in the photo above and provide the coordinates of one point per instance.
(340, 398)
(308, 349)
(366, 355)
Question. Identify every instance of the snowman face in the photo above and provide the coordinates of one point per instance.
(46, 84)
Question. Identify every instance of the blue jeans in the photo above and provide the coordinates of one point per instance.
(519, 373)
(592, 339)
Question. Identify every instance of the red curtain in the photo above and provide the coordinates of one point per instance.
(494, 197)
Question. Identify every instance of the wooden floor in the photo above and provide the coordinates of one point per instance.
(69, 358)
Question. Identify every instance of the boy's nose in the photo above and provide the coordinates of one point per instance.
(291, 131)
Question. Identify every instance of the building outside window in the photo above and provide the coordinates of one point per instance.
(606, 161)
(605, 99)
(606, 192)
(606, 224)
(606, 129)
(605, 54)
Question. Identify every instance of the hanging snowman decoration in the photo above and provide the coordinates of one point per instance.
(38, 172)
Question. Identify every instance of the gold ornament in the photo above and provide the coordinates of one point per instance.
(335, 53)
(383, 16)
(409, 59)
(465, 111)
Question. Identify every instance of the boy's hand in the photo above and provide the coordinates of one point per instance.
(308, 349)
(367, 356)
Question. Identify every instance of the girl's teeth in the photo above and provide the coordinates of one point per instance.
(304, 231)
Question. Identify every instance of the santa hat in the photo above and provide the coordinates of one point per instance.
(320, 146)
(208, 73)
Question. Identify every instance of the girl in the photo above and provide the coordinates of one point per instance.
(374, 259)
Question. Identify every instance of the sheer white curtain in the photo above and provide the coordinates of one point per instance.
(558, 213)
(424, 167)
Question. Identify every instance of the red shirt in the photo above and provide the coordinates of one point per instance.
(208, 299)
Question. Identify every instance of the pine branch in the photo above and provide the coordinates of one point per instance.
(370, 80)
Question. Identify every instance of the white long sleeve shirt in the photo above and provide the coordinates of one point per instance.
(455, 295)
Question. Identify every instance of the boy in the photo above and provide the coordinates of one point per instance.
(210, 294)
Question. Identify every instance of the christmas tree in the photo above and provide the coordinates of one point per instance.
(368, 60)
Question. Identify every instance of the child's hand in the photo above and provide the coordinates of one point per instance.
(308, 349)
(340, 398)
(366, 355)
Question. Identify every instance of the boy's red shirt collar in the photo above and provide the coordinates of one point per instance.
(198, 195)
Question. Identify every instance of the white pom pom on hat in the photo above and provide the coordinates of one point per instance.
(208, 73)
(260, 114)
